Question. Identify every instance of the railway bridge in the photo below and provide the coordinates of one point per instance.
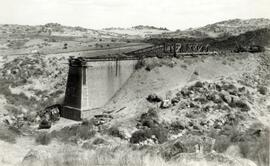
(93, 81)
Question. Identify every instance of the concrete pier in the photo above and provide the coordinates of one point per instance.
(91, 84)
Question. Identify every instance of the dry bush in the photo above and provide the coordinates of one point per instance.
(140, 64)
(98, 141)
(43, 138)
(151, 128)
(115, 132)
(160, 133)
(140, 136)
(262, 90)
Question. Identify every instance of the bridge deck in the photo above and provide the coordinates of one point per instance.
(128, 57)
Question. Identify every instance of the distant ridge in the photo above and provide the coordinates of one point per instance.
(231, 27)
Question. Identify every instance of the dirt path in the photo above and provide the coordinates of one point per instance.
(130, 47)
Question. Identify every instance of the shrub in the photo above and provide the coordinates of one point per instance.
(43, 139)
(222, 143)
(85, 132)
(114, 131)
(174, 149)
(178, 125)
(262, 90)
(140, 64)
(99, 141)
(256, 149)
(160, 133)
(149, 119)
(196, 73)
(198, 84)
(139, 136)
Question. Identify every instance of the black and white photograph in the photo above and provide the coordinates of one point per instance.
(134, 82)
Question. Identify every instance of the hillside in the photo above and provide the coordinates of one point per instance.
(55, 38)
(259, 37)
(232, 27)
(139, 31)
(53, 29)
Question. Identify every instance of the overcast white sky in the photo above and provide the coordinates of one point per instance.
(97, 14)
